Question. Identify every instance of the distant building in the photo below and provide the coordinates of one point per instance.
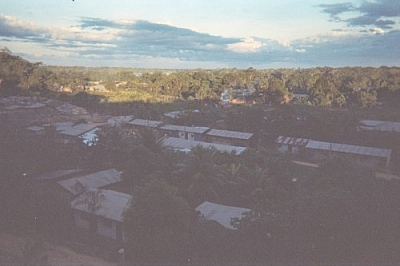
(235, 138)
(319, 150)
(118, 121)
(185, 145)
(141, 123)
(377, 125)
(183, 132)
(99, 179)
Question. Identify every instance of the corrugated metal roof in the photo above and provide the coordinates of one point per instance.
(378, 125)
(146, 123)
(199, 130)
(220, 213)
(230, 134)
(79, 129)
(94, 180)
(187, 145)
(345, 148)
(301, 142)
(111, 207)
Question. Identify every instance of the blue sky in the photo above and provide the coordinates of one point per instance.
(203, 33)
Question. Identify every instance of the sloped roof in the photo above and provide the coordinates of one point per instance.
(222, 214)
(346, 148)
(145, 122)
(111, 207)
(187, 145)
(77, 130)
(94, 180)
(230, 134)
(198, 130)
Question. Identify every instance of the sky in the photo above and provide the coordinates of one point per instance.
(187, 34)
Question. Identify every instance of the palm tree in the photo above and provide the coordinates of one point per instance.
(198, 177)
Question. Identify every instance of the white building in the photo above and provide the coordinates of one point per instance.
(106, 220)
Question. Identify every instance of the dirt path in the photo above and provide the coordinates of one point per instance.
(57, 255)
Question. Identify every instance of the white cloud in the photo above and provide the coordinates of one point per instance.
(247, 45)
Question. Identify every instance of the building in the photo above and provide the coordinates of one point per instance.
(106, 219)
(377, 125)
(186, 145)
(320, 150)
(183, 132)
(99, 179)
(119, 121)
(235, 138)
(137, 124)
(221, 214)
(368, 156)
(292, 145)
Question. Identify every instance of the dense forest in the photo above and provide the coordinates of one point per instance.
(334, 214)
(325, 86)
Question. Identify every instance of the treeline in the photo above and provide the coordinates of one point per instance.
(325, 86)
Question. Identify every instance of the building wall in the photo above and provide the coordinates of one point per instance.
(107, 227)
(229, 141)
(81, 220)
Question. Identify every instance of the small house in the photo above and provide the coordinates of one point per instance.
(99, 179)
(183, 132)
(290, 145)
(105, 216)
(221, 214)
(185, 145)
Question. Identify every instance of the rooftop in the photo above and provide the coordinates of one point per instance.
(111, 207)
(94, 180)
(378, 125)
(220, 213)
(187, 145)
(145, 122)
(230, 134)
(192, 129)
(346, 148)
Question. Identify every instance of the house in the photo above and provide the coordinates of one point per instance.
(119, 121)
(292, 145)
(107, 216)
(319, 150)
(137, 124)
(236, 138)
(221, 214)
(186, 145)
(370, 156)
(99, 179)
(377, 125)
(87, 132)
(183, 132)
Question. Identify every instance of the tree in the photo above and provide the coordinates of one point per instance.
(159, 225)
(91, 199)
(198, 176)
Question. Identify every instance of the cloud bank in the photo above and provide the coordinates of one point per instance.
(140, 43)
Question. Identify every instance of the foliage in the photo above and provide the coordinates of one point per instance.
(158, 224)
